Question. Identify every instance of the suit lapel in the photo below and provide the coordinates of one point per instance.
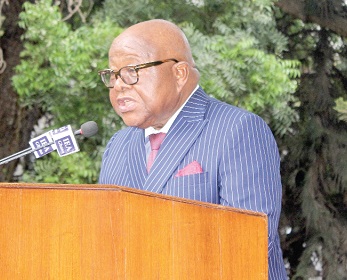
(137, 159)
(181, 136)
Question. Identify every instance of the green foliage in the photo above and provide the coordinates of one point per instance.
(59, 66)
(58, 70)
(73, 169)
(314, 168)
(2, 18)
(253, 20)
(234, 70)
(341, 107)
(123, 14)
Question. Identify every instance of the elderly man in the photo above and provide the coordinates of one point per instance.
(181, 142)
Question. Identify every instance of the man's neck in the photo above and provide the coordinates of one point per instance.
(150, 130)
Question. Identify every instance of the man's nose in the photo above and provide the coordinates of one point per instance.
(120, 85)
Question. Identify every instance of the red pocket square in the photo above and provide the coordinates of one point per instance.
(192, 168)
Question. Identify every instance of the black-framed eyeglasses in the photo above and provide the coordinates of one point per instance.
(129, 74)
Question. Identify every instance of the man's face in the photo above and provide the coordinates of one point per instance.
(154, 98)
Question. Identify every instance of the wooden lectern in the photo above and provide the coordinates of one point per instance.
(50, 231)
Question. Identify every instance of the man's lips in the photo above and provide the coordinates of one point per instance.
(126, 104)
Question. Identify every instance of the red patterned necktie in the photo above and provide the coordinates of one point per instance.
(155, 140)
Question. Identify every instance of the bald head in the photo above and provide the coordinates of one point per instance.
(157, 39)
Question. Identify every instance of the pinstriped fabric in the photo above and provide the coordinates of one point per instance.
(116, 171)
(235, 149)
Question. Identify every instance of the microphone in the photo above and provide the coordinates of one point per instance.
(61, 137)
(88, 129)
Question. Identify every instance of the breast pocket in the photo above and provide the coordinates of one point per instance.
(195, 186)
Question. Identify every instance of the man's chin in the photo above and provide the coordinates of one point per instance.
(133, 122)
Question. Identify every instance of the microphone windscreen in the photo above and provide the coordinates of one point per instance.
(89, 129)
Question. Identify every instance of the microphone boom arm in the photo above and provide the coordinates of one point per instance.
(23, 153)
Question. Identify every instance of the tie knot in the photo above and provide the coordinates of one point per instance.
(156, 140)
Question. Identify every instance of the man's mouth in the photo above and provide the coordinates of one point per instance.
(126, 104)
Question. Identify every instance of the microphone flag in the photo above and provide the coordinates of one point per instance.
(61, 139)
(45, 141)
(65, 141)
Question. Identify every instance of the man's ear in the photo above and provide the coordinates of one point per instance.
(181, 72)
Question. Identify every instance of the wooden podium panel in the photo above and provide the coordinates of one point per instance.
(110, 232)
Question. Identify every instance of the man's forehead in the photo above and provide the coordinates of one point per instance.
(133, 46)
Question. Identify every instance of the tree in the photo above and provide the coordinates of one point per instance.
(315, 201)
(65, 83)
(328, 14)
(17, 121)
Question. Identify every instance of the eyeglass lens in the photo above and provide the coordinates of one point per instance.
(127, 74)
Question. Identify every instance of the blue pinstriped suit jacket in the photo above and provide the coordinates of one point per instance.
(235, 148)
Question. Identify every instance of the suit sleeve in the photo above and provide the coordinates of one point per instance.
(249, 178)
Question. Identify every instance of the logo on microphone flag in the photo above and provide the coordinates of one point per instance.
(45, 141)
(65, 141)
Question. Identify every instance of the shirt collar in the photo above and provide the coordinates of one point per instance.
(165, 129)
